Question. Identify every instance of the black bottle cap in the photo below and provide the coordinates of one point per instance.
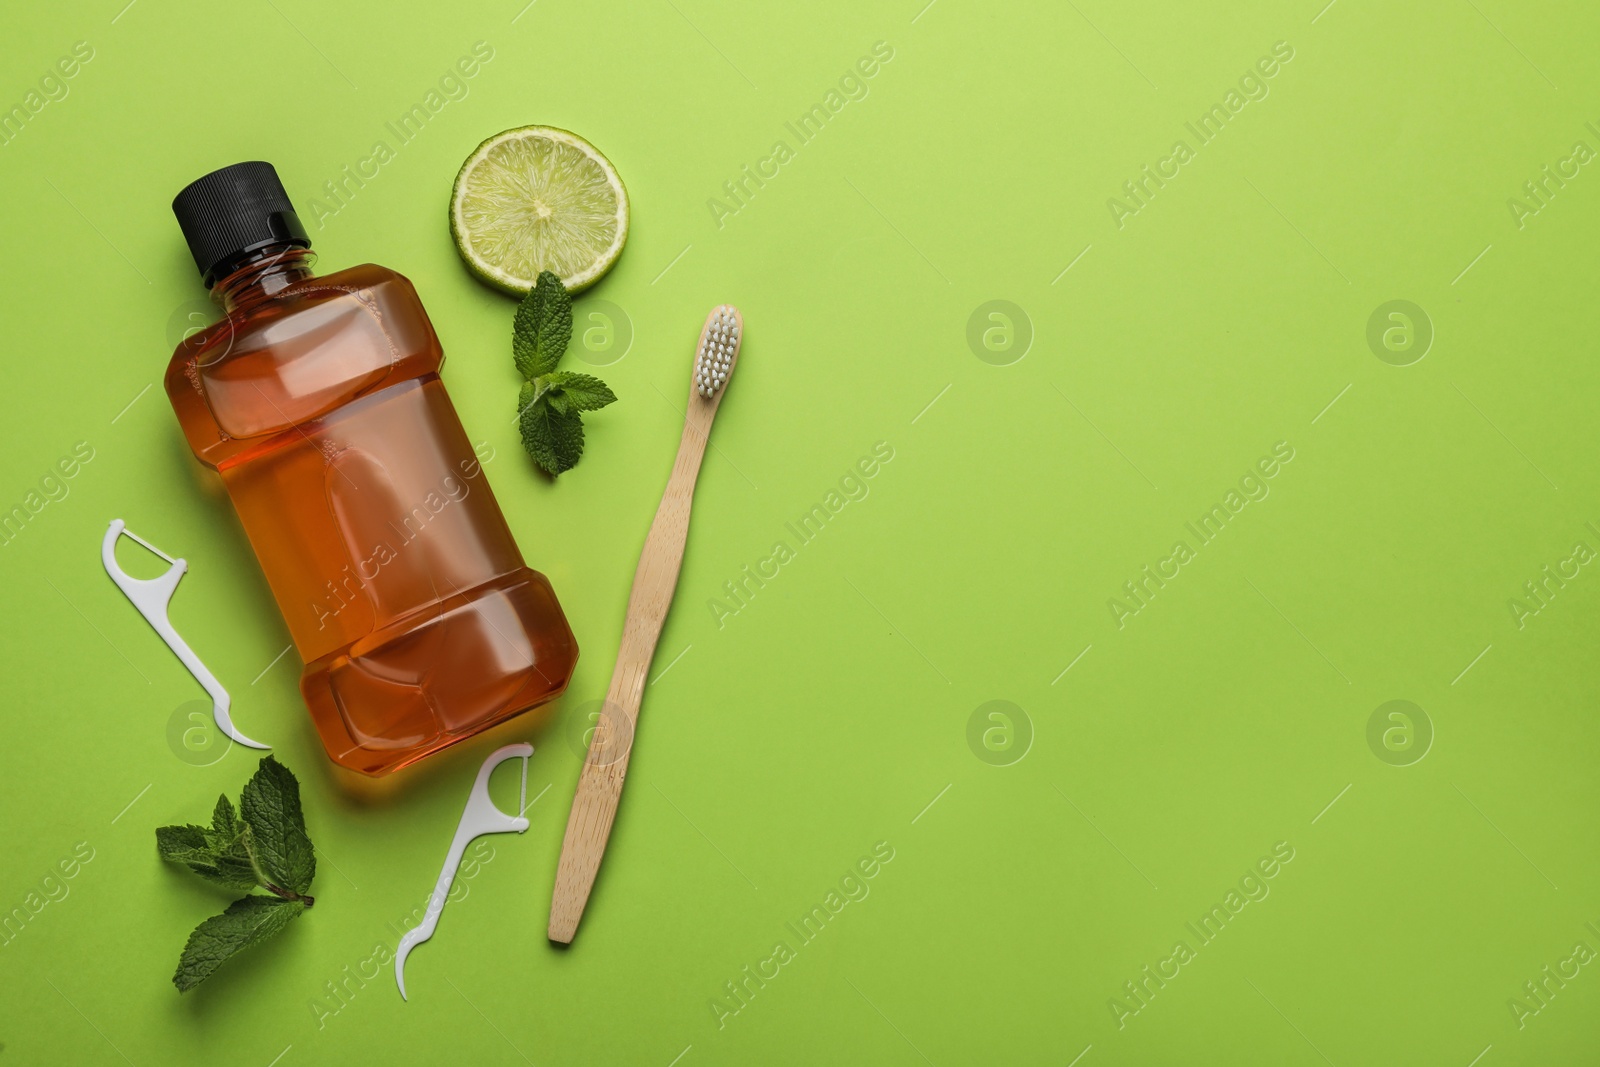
(234, 213)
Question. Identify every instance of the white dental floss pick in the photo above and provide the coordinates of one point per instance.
(151, 596)
(480, 817)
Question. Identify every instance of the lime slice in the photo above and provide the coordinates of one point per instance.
(538, 198)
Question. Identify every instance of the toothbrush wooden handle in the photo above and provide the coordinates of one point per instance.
(594, 806)
(594, 809)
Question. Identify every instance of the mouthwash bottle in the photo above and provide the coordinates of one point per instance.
(318, 401)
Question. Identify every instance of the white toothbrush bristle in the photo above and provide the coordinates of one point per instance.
(719, 347)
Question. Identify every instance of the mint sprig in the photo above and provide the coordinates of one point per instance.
(551, 400)
(261, 846)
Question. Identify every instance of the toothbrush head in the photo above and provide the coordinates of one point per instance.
(719, 349)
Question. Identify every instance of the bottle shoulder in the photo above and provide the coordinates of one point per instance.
(367, 282)
(313, 346)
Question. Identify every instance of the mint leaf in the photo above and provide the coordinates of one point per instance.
(194, 847)
(553, 437)
(277, 838)
(543, 327)
(579, 392)
(225, 823)
(248, 921)
(178, 843)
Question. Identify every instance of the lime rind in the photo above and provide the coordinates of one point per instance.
(538, 198)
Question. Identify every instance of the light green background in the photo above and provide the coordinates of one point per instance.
(826, 716)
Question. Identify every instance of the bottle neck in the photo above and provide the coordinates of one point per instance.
(263, 277)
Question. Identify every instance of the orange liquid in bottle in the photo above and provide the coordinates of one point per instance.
(319, 402)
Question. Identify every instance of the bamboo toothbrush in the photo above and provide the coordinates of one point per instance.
(594, 806)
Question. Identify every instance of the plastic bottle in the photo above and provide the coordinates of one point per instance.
(318, 401)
